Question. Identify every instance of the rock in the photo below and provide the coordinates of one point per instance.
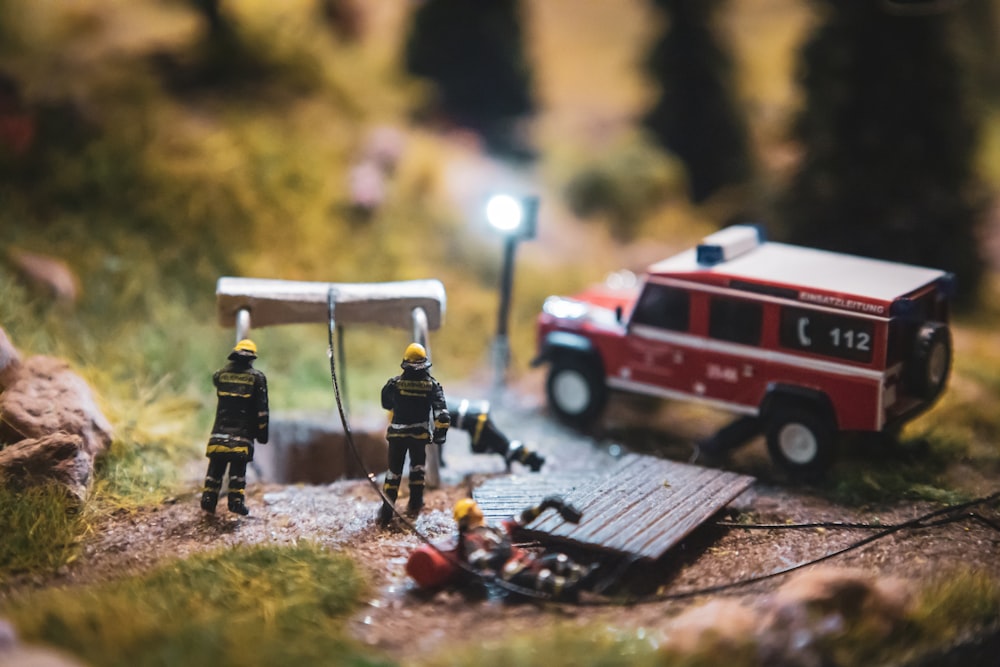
(46, 397)
(32, 656)
(794, 626)
(48, 273)
(719, 625)
(852, 596)
(13, 653)
(827, 601)
(10, 360)
(59, 457)
(8, 637)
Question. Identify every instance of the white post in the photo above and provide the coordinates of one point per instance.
(242, 324)
(433, 477)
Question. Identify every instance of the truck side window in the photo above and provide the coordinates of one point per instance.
(734, 320)
(663, 307)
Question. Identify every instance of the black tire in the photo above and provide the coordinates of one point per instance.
(800, 439)
(575, 389)
(930, 365)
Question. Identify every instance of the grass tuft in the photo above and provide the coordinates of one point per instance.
(563, 645)
(40, 530)
(250, 605)
(955, 603)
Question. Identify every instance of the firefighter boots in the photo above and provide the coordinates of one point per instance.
(391, 490)
(518, 452)
(237, 505)
(385, 514)
(209, 499)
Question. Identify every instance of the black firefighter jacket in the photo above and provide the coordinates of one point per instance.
(242, 415)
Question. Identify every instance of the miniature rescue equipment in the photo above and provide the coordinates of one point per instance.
(417, 306)
(241, 418)
(491, 552)
(807, 342)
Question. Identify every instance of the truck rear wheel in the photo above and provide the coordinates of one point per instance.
(575, 389)
(800, 439)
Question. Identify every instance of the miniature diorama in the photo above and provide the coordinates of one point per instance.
(768, 437)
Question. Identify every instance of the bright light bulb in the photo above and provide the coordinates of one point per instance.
(504, 212)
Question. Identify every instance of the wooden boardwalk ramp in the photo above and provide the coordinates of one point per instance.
(640, 508)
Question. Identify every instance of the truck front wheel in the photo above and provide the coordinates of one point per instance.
(575, 389)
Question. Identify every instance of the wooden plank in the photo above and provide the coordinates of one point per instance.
(641, 508)
(711, 493)
(504, 497)
(624, 491)
(272, 302)
(654, 499)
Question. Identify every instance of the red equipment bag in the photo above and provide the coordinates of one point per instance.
(433, 567)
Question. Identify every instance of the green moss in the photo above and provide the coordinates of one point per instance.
(40, 529)
(558, 646)
(959, 602)
(913, 470)
(251, 605)
(955, 606)
(595, 646)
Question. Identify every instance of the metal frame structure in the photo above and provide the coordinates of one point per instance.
(417, 305)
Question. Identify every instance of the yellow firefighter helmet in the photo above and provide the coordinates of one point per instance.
(246, 348)
(415, 357)
(467, 513)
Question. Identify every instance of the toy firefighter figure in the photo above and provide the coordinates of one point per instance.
(240, 418)
(491, 550)
(419, 417)
(473, 417)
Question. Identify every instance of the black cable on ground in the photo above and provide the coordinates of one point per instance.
(871, 526)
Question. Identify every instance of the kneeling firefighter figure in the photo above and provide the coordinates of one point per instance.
(240, 418)
(492, 551)
(419, 417)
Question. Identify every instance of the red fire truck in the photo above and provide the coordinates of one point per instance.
(808, 343)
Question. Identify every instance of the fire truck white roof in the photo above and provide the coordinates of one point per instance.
(801, 268)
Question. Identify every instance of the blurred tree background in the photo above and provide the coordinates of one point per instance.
(473, 54)
(155, 145)
(696, 115)
(890, 140)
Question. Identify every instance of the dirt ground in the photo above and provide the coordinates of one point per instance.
(400, 621)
